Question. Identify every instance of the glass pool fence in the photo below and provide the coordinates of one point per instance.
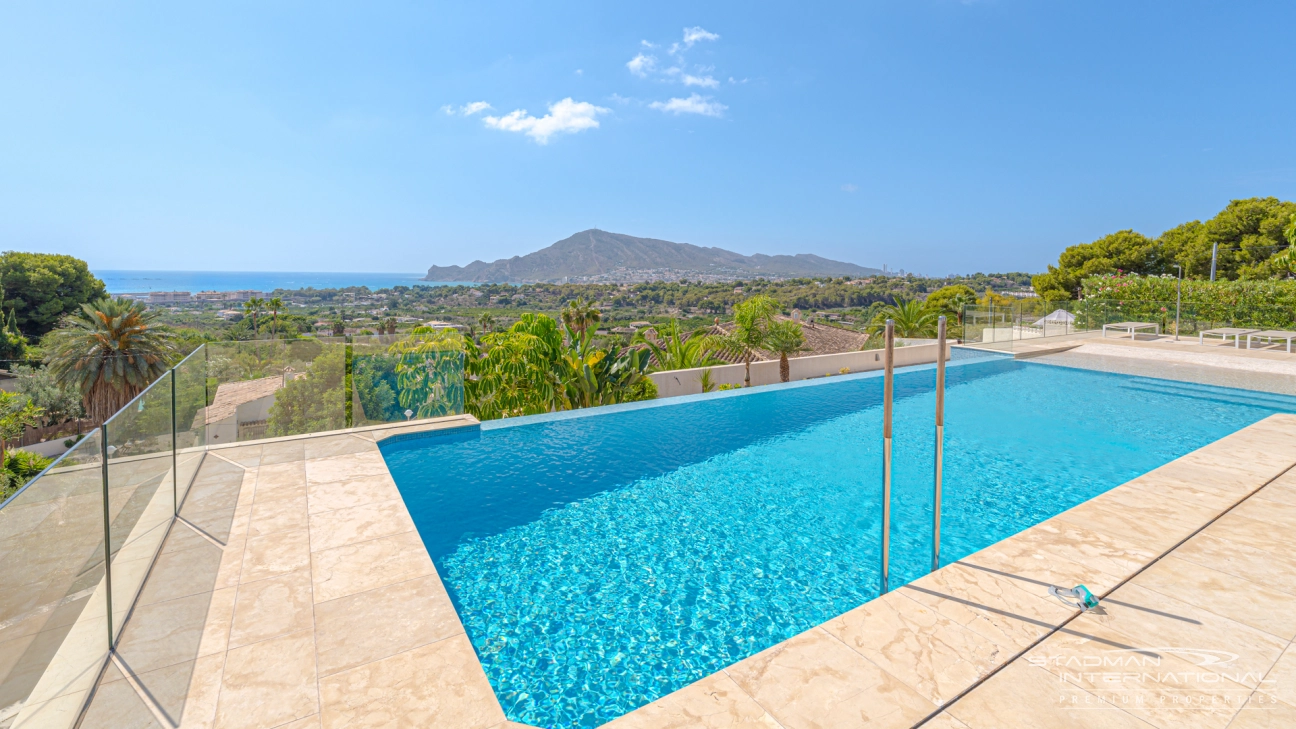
(1036, 319)
(77, 542)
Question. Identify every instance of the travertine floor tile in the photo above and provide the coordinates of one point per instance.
(281, 481)
(814, 680)
(275, 554)
(337, 445)
(346, 468)
(714, 702)
(1276, 513)
(164, 633)
(216, 629)
(332, 495)
(1061, 554)
(437, 685)
(358, 629)
(184, 573)
(1173, 689)
(367, 565)
(1281, 681)
(929, 652)
(1276, 569)
(1223, 594)
(1145, 617)
(270, 516)
(1022, 696)
(204, 691)
(332, 529)
(1265, 713)
(268, 683)
(272, 607)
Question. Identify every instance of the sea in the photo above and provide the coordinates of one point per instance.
(131, 282)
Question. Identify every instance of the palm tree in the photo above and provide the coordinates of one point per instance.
(487, 323)
(275, 305)
(751, 322)
(785, 337)
(252, 308)
(676, 351)
(912, 319)
(579, 315)
(109, 350)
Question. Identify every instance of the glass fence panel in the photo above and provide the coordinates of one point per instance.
(53, 631)
(264, 389)
(141, 487)
(191, 411)
(398, 377)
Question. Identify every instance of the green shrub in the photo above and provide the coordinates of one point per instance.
(19, 468)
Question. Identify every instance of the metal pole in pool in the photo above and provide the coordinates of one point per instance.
(940, 438)
(888, 392)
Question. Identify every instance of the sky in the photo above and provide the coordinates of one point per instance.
(937, 136)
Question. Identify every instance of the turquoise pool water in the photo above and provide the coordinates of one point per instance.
(604, 560)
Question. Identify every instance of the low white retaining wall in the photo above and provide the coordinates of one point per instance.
(685, 382)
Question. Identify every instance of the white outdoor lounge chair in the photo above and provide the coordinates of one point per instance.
(1225, 332)
(1271, 334)
(1132, 327)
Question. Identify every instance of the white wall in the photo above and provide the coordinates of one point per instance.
(685, 382)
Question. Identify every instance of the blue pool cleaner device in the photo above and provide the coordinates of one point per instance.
(1077, 597)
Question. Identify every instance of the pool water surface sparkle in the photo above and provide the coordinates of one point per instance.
(602, 561)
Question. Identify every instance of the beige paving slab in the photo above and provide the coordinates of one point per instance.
(333, 495)
(272, 607)
(436, 685)
(269, 683)
(364, 566)
(369, 626)
(930, 652)
(1148, 617)
(1163, 686)
(815, 680)
(1274, 569)
(1242, 600)
(332, 529)
(275, 554)
(712, 703)
(346, 468)
(1280, 683)
(278, 515)
(1265, 713)
(1022, 696)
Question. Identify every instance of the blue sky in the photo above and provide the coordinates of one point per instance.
(933, 135)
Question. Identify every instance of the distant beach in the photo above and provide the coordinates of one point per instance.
(129, 282)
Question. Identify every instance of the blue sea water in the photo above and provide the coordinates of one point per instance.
(601, 561)
(127, 282)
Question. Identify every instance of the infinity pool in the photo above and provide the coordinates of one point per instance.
(602, 559)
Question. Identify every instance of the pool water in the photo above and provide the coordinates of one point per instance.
(601, 560)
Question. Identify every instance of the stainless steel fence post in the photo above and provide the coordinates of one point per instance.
(888, 393)
(940, 439)
(103, 454)
(175, 459)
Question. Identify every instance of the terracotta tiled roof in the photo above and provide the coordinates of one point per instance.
(229, 395)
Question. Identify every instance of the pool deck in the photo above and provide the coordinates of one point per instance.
(303, 597)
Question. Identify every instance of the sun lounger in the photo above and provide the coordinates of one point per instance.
(1225, 332)
(1132, 327)
(1271, 334)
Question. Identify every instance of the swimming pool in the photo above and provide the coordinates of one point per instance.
(602, 559)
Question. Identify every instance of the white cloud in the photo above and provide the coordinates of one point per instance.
(580, 72)
(694, 104)
(566, 116)
(705, 81)
(849, 188)
(467, 109)
(646, 44)
(641, 65)
(695, 34)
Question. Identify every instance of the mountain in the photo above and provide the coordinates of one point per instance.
(600, 256)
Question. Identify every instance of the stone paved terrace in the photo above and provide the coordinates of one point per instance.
(302, 596)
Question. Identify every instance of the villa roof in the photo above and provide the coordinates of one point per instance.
(229, 395)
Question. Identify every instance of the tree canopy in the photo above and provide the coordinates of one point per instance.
(1251, 235)
(41, 288)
